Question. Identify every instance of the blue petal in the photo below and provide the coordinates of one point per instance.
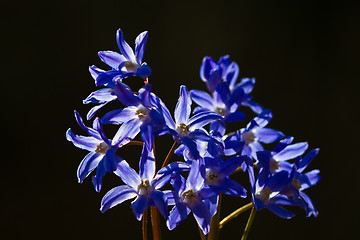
(125, 49)
(183, 106)
(263, 118)
(202, 99)
(113, 59)
(196, 175)
(268, 135)
(202, 216)
(203, 118)
(207, 65)
(97, 179)
(278, 181)
(116, 196)
(160, 180)
(309, 179)
(98, 127)
(95, 71)
(247, 84)
(178, 182)
(140, 43)
(280, 211)
(127, 174)
(174, 166)
(310, 208)
(158, 199)
(147, 135)
(147, 164)
(234, 117)
(126, 95)
(235, 189)
(94, 110)
(107, 78)
(100, 96)
(192, 147)
(291, 151)
(88, 130)
(214, 79)
(161, 107)
(119, 116)
(139, 205)
(230, 165)
(307, 159)
(179, 212)
(88, 164)
(143, 71)
(126, 133)
(87, 143)
(232, 74)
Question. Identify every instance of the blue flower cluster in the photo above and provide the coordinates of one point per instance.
(210, 153)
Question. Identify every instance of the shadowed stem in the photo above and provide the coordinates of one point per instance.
(171, 152)
(234, 214)
(144, 225)
(155, 221)
(202, 236)
(249, 224)
(135, 143)
(214, 224)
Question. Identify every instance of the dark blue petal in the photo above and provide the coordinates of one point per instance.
(174, 166)
(147, 135)
(107, 78)
(280, 211)
(126, 133)
(307, 159)
(309, 179)
(116, 196)
(126, 95)
(178, 182)
(94, 109)
(309, 205)
(88, 130)
(139, 205)
(143, 71)
(234, 117)
(196, 175)
(95, 71)
(207, 65)
(202, 216)
(278, 181)
(100, 96)
(268, 135)
(235, 189)
(160, 180)
(100, 173)
(263, 118)
(191, 146)
(140, 43)
(98, 127)
(158, 199)
(232, 74)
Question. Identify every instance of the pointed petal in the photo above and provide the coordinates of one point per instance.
(88, 130)
(127, 174)
(143, 71)
(202, 216)
(158, 198)
(203, 118)
(177, 214)
(280, 211)
(87, 143)
(119, 116)
(268, 135)
(88, 164)
(139, 205)
(147, 164)
(113, 59)
(202, 99)
(126, 95)
(116, 196)
(126, 133)
(183, 106)
(125, 49)
(140, 43)
(291, 151)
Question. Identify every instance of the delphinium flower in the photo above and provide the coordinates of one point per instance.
(125, 65)
(144, 187)
(185, 129)
(141, 114)
(102, 150)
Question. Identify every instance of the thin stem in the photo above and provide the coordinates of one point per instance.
(234, 214)
(214, 224)
(155, 221)
(202, 236)
(171, 152)
(249, 224)
(135, 143)
(144, 225)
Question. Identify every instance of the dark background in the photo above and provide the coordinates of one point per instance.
(304, 55)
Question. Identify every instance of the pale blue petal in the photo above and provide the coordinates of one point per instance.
(125, 49)
(113, 59)
(291, 151)
(140, 43)
(183, 106)
(88, 164)
(116, 196)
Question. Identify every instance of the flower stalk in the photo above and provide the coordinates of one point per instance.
(249, 224)
(234, 214)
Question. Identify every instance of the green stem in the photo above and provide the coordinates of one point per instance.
(144, 225)
(155, 221)
(249, 224)
(214, 224)
(171, 152)
(234, 214)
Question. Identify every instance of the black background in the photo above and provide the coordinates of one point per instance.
(304, 55)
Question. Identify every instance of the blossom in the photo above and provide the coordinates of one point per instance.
(125, 65)
(102, 150)
(144, 187)
(141, 114)
(185, 129)
(189, 196)
(248, 140)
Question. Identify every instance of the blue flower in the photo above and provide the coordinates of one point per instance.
(102, 150)
(221, 102)
(227, 72)
(185, 129)
(299, 181)
(189, 196)
(268, 196)
(141, 114)
(248, 140)
(144, 187)
(274, 161)
(125, 65)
